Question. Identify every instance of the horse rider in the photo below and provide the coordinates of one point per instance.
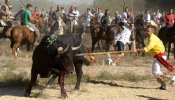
(169, 18)
(129, 17)
(73, 15)
(26, 20)
(87, 21)
(6, 13)
(117, 18)
(147, 16)
(105, 20)
(124, 16)
(18, 15)
(50, 19)
(158, 17)
(122, 38)
(2, 13)
(98, 15)
(36, 13)
(156, 47)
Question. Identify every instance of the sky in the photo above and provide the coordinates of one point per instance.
(72, 1)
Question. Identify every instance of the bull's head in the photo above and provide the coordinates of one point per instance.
(64, 59)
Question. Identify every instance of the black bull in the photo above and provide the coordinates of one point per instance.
(53, 61)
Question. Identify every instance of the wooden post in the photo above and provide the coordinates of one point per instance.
(133, 26)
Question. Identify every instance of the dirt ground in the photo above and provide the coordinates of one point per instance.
(94, 89)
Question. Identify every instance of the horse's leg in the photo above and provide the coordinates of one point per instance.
(143, 45)
(94, 41)
(32, 82)
(28, 47)
(169, 49)
(14, 49)
(61, 83)
(107, 45)
(99, 47)
(174, 49)
(79, 72)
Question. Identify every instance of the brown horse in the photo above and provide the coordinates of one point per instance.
(23, 35)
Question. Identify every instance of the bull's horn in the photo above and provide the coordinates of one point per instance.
(76, 48)
(66, 48)
(60, 49)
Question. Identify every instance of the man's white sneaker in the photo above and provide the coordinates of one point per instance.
(172, 83)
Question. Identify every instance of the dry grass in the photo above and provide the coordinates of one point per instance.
(71, 79)
(9, 78)
(129, 76)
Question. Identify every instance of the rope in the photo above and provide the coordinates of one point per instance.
(102, 53)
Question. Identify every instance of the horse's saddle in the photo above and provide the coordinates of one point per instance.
(30, 28)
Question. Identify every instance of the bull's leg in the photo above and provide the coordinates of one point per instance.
(79, 72)
(32, 82)
(61, 83)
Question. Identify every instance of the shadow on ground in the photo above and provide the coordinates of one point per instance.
(116, 85)
(150, 98)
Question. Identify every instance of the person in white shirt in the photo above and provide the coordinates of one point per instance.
(98, 15)
(122, 38)
(158, 17)
(147, 16)
(88, 16)
(73, 15)
(124, 16)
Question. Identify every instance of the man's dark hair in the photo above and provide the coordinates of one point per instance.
(28, 5)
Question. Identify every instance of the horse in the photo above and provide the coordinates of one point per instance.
(58, 27)
(21, 34)
(140, 28)
(98, 33)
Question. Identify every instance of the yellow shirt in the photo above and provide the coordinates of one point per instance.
(155, 45)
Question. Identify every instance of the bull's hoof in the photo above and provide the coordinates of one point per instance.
(26, 95)
(76, 88)
(64, 95)
(44, 75)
